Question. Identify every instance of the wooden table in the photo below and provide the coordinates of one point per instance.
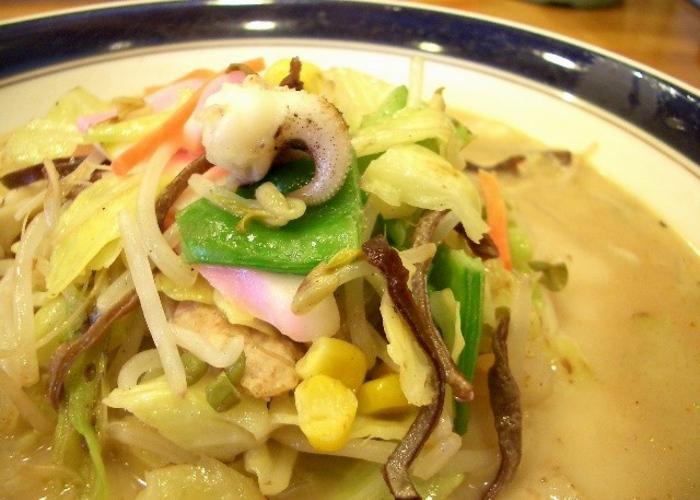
(664, 34)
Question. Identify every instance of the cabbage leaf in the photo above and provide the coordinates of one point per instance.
(87, 227)
(416, 176)
(415, 369)
(129, 130)
(335, 478)
(53, 136)
(207, 480)
(354, 93)
(409, 125)
(190, 422)
(273, 464)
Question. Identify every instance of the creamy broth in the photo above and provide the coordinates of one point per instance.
(630, 428)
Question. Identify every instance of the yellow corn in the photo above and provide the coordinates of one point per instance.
(326, 410)
(381, 396)
(310, 74)
(336, 358)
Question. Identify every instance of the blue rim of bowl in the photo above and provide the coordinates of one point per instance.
(665, 110)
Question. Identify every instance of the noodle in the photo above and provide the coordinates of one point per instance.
(28, 410)
(217, 356)
(32, 203)
(158, 248)
(150, 304)
(144, 362)
(23, 311)
(53, 198)
(115, 291)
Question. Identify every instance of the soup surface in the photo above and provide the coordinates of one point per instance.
(628, 425)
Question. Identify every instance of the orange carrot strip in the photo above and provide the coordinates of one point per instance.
(200, 73)
(170, 129)
(257, 64)
(496, 215)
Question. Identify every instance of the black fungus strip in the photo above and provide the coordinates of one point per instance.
(396, 468)
(562, 156)
(177, 186)
(29, 175)
(242, 67)
(507, 413)
(67, 353)
(100, 323)
(485, 249)
(432, 340)
(509, 165)
(293, 79)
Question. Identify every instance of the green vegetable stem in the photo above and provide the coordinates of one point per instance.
(221, 394)
(83, 385)
(464, 275)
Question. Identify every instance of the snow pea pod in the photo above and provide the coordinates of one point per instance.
(209, 234)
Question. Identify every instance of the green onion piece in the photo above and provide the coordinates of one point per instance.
(520, 248)
(221, 394)
(464, 275)
(397, 232)
(235, 371)
(195, 368)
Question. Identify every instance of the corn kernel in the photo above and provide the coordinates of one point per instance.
(336, 358)
(310, 74)
(326, 410)
(382, 396)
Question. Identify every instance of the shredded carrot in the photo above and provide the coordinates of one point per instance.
(496, 215)
(171, 129)
(197, 74)
(257, 64)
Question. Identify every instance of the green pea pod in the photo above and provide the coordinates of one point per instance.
(209, 234)
(464, 275)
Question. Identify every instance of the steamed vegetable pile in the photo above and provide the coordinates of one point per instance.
(232, 273)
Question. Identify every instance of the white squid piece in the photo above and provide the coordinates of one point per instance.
(245, 126)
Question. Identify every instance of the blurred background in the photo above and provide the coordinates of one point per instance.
(663, 34)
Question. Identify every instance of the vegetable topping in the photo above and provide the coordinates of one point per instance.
(507, 413)
(387, 260)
